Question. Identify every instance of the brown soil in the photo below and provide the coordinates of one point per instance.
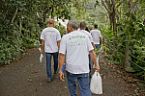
(27, 77)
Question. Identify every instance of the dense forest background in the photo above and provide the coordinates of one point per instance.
(121, 23)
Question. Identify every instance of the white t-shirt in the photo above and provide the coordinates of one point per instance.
(96, 35)
(88, 34)
(76, 46)
(50, 36)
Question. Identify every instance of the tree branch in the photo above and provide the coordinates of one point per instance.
(105, 6)
(14, 16)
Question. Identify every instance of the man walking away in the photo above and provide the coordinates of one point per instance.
(82, 29)
(50, 40)
(97, 37)
(74, 49)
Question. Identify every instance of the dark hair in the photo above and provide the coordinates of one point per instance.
(82, 25)
(87, 29)
(95, 26)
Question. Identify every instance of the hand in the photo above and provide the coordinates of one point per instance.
(97, 68)
(41, 58)
(40, 50)
(61, 75)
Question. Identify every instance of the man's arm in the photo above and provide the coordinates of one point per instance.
(93, 57)
(61, 59)
(42, 45)
(58, 38)
(91, 39)
(58, 43)
(101, 38)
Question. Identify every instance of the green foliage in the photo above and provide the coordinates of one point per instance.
(21, 22)
(127, 47)
(61, 29)
(9, 50)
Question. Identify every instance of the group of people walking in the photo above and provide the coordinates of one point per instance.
(75, 51)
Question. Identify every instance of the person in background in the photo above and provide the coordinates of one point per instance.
(50, 41)
(74, 49)
(96, 35)
(82, 28)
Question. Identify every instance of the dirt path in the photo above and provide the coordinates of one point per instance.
(27, 77)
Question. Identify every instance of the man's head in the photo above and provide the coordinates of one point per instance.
(82, 25)
(50, 22)
(95, 26)
(71, 26)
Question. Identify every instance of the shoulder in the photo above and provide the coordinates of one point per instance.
(50, 29)
(87, 32)
(99, 32)
(95, 31)
(84, 32)
(80, 32)
(66, 36)
(92, 31)
(55, 29)
(44, 29)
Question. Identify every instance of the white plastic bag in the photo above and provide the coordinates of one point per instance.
(41, 58)
(96, 83)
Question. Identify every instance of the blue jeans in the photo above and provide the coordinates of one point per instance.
(83, 81)
(97, 46)
(48, 63)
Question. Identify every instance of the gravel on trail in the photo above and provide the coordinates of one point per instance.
(27, 77)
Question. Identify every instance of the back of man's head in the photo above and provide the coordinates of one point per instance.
(73, 24)
(82, 25)
(50, 22)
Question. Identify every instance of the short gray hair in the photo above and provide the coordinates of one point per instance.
(74, 24)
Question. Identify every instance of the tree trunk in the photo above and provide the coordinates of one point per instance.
(111, 9)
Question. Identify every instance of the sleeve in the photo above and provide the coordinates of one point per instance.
(42, 35)
(58, 36)
(89, 45)
(91, 32)
(63, 44)
(91, 38)
(100, 35)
